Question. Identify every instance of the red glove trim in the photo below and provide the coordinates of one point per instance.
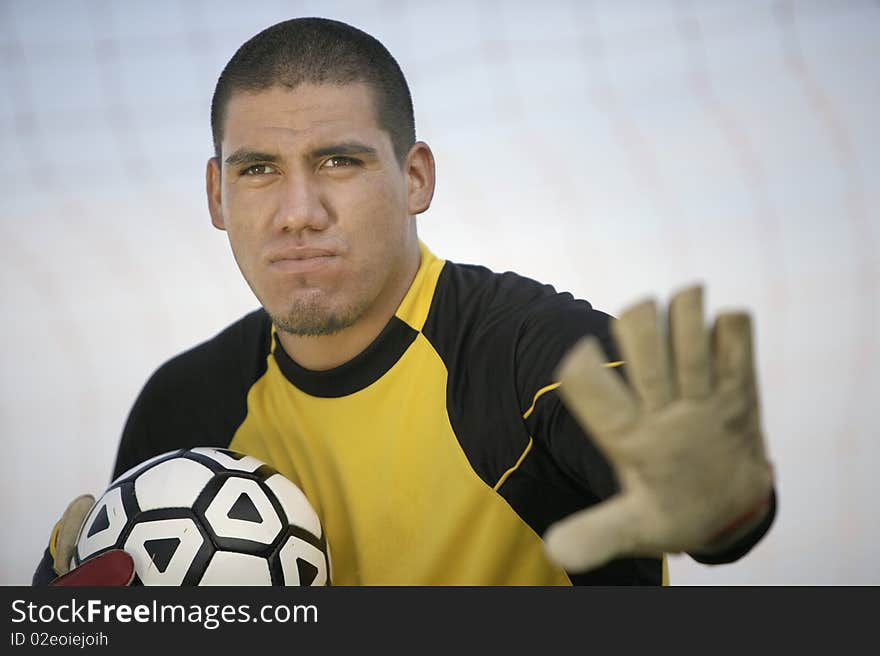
(114, 567)
(746, 518)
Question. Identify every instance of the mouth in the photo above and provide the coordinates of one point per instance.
(302, 260)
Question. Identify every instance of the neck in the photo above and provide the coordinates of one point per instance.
(323, 352)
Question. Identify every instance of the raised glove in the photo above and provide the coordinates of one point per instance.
(683, 438)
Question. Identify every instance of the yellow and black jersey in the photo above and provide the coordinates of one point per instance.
(438, 456)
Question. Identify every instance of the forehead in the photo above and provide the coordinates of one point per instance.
(305, 113)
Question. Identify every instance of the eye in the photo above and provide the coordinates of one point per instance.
(339, 161)
(259, 169)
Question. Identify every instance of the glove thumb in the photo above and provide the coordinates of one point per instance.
(63, 544)
(592, 537)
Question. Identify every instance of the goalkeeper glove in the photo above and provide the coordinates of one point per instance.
(114, 567)
(684, 438)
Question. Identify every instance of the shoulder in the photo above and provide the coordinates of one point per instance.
(239, 348)
(472, 289)
(510, 318)
(198, 398)
(478, 293)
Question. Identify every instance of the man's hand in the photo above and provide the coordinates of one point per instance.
(114, 567)
(684, 438)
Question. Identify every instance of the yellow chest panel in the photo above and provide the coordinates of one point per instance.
(397, 497)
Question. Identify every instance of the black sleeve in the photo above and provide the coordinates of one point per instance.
(45, 572)
(554, 326)
(198, 398)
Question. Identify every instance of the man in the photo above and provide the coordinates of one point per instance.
(450, 425)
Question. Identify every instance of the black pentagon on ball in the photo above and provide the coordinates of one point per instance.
(241, 545)
(199, 562)
(263, 471)
(203, 556)
(277, 571)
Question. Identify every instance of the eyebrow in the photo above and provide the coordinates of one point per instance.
(246, 155)
(344, 148)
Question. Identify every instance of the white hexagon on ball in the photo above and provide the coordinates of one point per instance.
(230, 494)
(175, 483)
(297, 507)
(230, 568)
(103, 525)
(295, 550)
(163, 549)
(145, 464)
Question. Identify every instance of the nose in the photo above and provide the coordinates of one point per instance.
(301, 206)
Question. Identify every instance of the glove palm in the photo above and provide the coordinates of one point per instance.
(684, 438)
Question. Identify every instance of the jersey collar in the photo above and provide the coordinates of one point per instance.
(374, 361)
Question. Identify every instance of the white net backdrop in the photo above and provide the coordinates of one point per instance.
(613, 149)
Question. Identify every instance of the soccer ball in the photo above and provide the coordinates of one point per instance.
(208, 516)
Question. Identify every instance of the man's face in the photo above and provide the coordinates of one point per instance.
(318, 210)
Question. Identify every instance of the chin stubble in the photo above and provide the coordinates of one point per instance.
(309, 320)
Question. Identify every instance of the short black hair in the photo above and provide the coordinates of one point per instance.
(319, 51)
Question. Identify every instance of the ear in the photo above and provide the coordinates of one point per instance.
(419, 171)
(212, 185)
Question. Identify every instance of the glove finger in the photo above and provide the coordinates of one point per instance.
(596, 396)
(592, 537)
(732, 348)
(734, 370)
(690, 343)
(68, 531)
(646, 353)
(114, 567)
(735, 379)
